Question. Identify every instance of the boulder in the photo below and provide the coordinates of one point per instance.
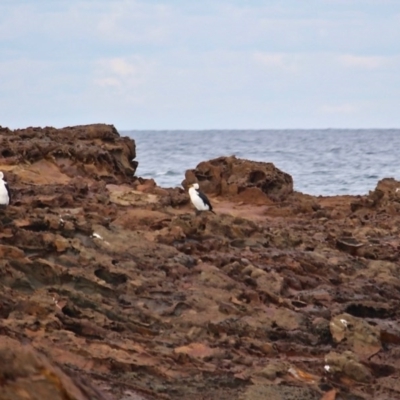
(241, 179)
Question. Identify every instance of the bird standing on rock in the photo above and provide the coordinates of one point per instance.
(199, 199)
(5, 195)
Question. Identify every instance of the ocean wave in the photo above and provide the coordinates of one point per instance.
(167, 173)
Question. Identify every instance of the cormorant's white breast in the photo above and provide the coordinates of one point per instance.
(5, 196)
(199, 199)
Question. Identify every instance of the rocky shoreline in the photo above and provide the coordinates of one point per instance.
(111, 287)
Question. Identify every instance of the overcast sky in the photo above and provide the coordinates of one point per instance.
(186, 64)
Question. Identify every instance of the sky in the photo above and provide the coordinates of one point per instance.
(210, 64)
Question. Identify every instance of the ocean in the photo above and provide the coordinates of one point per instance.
(321, 162)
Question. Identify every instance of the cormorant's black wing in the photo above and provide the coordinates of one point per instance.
(8, 191)
(205, 199)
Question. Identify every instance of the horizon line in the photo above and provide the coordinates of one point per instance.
(253, 129)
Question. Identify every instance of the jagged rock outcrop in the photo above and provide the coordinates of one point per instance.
(59, 155)
(110, 282)
(247, 181)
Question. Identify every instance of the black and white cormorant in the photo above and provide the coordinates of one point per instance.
(5, 195)
(199, 199)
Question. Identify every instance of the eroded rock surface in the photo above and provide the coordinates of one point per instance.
(112, 288)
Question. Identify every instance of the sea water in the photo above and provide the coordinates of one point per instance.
(321, 162)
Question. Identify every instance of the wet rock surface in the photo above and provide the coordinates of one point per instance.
(112, 288)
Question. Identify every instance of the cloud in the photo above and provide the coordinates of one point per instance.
(121, 67)
(288, 62)
(345, 108)
(135, 22)
(108, 82)
(365, 62)
(122, 72)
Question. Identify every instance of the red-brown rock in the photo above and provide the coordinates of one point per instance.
(231, 176)
(27, 375)
(130, 295)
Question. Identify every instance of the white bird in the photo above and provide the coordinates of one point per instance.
(199, 199)
(5, 195)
